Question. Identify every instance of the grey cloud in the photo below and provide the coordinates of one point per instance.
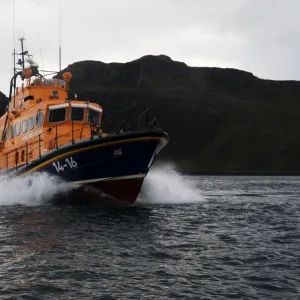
(257, 36)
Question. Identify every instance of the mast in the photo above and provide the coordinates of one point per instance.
(59, 35)
(14, 55)
(22, 39)
(14, 80)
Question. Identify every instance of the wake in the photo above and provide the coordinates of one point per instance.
(164, 185)
(31, 190)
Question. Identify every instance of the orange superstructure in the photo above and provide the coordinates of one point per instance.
(42, 117)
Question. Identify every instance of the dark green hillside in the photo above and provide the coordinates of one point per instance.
(219, 120)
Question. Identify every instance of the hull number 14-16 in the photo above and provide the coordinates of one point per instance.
(68, 163)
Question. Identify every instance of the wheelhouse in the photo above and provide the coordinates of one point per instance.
(74, 112)
(43, 115)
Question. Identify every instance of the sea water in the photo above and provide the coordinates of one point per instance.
(185, 238)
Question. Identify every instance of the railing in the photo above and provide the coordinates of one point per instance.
(29, 148)
(132, 119)
(109, 124)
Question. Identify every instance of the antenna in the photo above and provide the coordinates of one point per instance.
(14, 25)
(41, 52)
(59, 34)
(22, 39)
(14, 55)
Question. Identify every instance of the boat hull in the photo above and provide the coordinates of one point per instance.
(104, 169)
(115, 192)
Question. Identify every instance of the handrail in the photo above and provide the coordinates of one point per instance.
(83, 127)
(146, 112)
(111, 118)
(38, 147)
(54, 139)
(37, 139)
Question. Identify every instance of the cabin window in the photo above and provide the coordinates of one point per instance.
(17, 129)
(94, 117)
(31, 123)
(77, 114)
(39, 118)
(55, 94)
(8, 133)
(17, 158)
(28, 98)
(57, 115)
(23, 156)
(24, 125)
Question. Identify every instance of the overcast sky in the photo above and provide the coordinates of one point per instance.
(262, 37)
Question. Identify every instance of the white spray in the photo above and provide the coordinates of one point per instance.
(164, 185)
(30, 190)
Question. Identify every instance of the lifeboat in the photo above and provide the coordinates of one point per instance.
(46, 129)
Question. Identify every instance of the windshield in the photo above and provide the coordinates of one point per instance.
(77, 114)
(50, 81)
(94, 116)
(57, 115)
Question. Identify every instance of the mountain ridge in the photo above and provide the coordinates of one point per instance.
(219, 119)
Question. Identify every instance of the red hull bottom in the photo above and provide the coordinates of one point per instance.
(116, 192)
